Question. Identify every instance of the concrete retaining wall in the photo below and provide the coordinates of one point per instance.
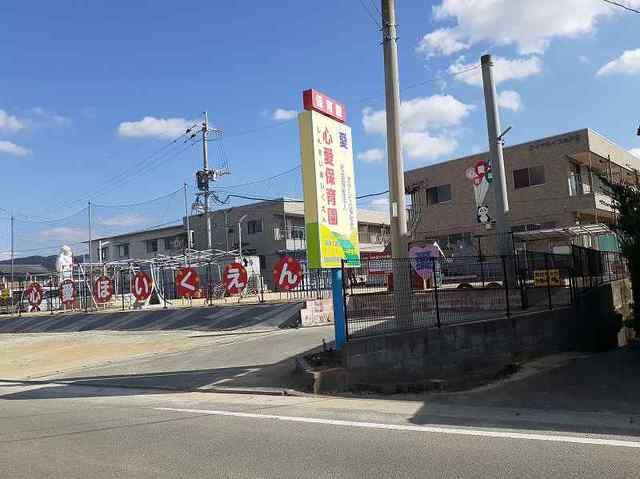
(486, 347)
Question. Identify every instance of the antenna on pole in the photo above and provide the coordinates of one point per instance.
(206, 176)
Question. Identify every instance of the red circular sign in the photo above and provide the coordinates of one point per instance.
(187, 282)
(141, 286)
(234, 278)
(103, 290)
(68, 292)
(287, 273)
(34, 295)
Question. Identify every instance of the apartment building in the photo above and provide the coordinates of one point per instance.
(553, 186)
(269, 229)
(146, 244)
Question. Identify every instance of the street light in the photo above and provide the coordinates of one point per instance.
(242, 218)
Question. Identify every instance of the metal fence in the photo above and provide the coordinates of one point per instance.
(261, 287)
(438, 291)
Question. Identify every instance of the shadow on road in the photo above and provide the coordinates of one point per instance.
(214, 318)
(597, 393)
(259, 377)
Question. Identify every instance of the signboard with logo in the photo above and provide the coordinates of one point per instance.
(187, 282)
(34, 295)
(287, 273)
(330, 213)
(546, 277)
(68, 292)
(141, 286)
(234, 278)
(103, 290)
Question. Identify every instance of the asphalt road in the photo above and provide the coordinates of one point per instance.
(67, 431)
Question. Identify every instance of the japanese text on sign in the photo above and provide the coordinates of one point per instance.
(329, 191)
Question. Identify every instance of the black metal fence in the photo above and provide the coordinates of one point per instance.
(433, 292)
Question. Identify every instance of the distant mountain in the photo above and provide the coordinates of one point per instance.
(48, 262)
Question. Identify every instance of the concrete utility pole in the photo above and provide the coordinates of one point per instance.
(90, 242)
(12, 263)
(205, 166)
(503, 228)
(186, 215)
(398, 210)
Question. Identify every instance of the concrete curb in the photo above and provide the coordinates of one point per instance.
(263, 391)
(329, 380)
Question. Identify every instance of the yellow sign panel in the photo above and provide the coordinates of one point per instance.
(540, 277)
(330, 213)
(4, 294)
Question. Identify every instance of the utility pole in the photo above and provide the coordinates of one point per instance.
(206, 175)
(12, 263)
(205, 167)
(503, 228)
(398, 210)
(186, 215)
(90, 250)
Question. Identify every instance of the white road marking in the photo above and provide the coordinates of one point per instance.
(226, 380)
(434, 429)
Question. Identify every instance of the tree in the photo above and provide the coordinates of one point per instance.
(626, 201)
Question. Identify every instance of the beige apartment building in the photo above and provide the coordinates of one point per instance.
(554, 190)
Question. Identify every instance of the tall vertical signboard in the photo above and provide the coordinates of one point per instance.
(330, 213)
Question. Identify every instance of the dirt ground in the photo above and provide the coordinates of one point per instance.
(30, 356)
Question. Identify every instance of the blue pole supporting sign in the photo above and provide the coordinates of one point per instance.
(338, 308)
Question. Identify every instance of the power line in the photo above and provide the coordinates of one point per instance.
(129, 205)
(372, 194)
(611, 2)
(261, 180)
(371, 16)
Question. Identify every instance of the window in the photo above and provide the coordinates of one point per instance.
(438, 194)
(123, 250)
(254, 226)
(104, 253)
(173, 243)
(528, 177)
(152, 246)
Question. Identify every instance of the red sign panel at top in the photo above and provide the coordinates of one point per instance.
(314, 100)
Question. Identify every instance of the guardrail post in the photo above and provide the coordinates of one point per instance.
(505, 283)
(122, 286)
(524, 299)
(339, 322)
(548, 276)
(435, 290)
(344, 300)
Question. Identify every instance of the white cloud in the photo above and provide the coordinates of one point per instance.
(151, 127)
(130, 219)
(374, 155)
(530, 25)
(380, 203)
(626, 64)
(423, 146)
(635, 152)
(283, 115)
(426, 124)
(510, 100)
(39, 116)
(11, 148)
(504, 69)
(419, 114)
(9, 122)
(443, 40)
(64, 233)
(583, 59)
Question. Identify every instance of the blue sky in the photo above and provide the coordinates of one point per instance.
(79, 78)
